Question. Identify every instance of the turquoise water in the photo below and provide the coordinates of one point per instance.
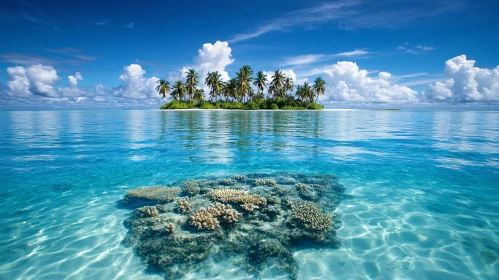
(424, 186)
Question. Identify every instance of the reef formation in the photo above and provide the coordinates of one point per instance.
(258, 220)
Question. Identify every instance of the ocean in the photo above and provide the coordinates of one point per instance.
(421, 187)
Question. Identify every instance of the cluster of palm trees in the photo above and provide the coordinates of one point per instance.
(240, 88)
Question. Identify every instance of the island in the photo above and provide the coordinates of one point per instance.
(239, 92)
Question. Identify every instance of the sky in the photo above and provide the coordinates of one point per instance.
(110, 54)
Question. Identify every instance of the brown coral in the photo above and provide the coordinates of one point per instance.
(147, 211)
(225, 212)
(311, 217)
(237, 196)
(263, 182)
(183, 206)
(162, 194)
(204, 220)
(170, 228)
(225, 195)
(250, 207)
(301, 186)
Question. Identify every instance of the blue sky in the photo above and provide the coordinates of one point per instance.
(73, 54)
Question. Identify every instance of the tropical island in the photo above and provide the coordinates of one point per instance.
(238, 93)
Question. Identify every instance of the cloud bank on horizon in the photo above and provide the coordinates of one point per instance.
(346, 82)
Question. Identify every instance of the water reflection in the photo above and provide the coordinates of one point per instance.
(215, 137)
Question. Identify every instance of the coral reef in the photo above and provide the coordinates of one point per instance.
(263, 182)
(191, 187)
(183, 206)
(228, 181)
(203, 219)
(225, 212)
(260, 220)
(239, 177)
(237, 196)
(273, 200)
(225, 195)
(170, 228)
(147, 211)
(160, 194)
(311, 217)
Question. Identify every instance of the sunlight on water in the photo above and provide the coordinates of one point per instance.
(424, 187)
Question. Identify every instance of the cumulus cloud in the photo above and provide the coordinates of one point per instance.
(73, 80)
(19, 84)
(36, 79)
(72, 89)
(214, 57)
(210, 58)
(135, 85)
(347, 82)
(465, 83)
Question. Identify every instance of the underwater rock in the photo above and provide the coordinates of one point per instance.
(261, 218)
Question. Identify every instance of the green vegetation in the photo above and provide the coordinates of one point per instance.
(265, 104)
(239, 92)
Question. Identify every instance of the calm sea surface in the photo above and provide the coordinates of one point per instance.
(424, 186)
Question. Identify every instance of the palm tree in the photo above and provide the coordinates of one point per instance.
(199, 95)
(319, 87)
(260, 82)
(163, 88)
(288, 85)
(215, 83)
(230, 89)
(244, 79)
(178, 90)
(191, 82)
(307, 92)
(277, 84)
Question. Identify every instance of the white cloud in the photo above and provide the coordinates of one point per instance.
(36, 79)
(214, 57)
(384, 75)
(415, 50)
(41, 79)
(465, 83)
(311, 58)
(135, 85)
(72, 89)
(352, 53)
(425, 48)
(130, 25)
(19, 84)
(303, 59)
(73, 80)
(210, 58)
(346, 82)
